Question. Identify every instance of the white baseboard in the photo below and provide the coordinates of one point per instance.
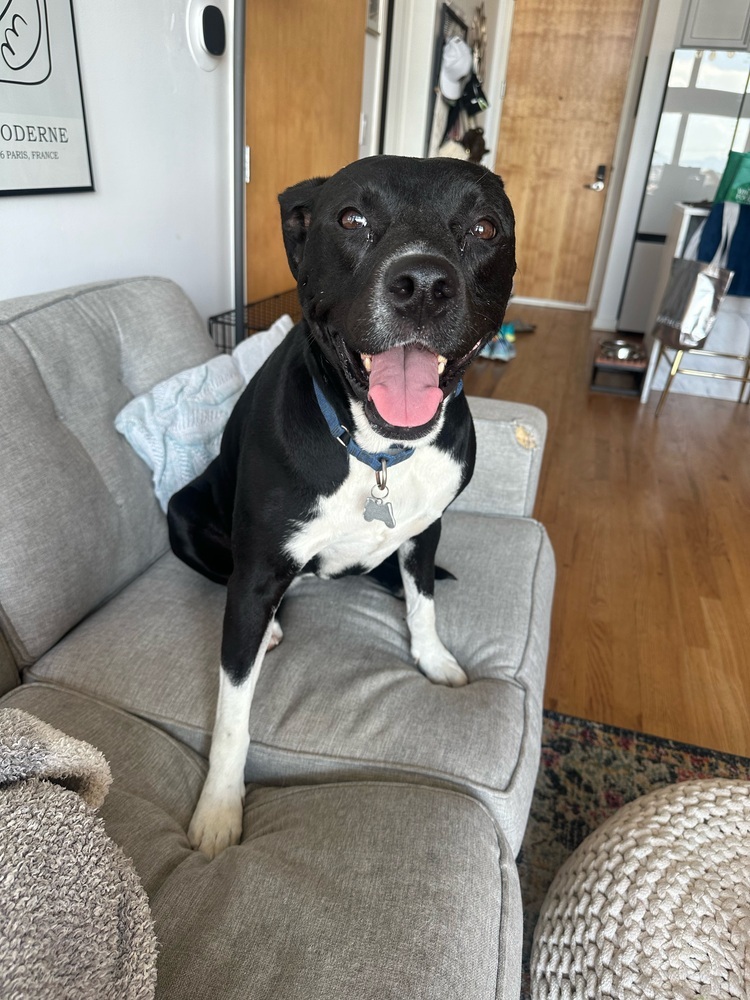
(520, 300)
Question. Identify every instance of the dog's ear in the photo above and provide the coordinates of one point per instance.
(296, 214)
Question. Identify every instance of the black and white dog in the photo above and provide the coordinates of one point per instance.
(353, 438)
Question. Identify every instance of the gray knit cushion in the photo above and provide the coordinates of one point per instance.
(373, 890)
(80, 518)
(341, 697)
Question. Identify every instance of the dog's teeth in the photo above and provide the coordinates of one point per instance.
(442, 362)
(367, 361)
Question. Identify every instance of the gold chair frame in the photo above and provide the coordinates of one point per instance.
(677, 370)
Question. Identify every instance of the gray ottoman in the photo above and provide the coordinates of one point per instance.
(653, 904)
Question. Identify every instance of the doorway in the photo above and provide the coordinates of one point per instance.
(567, 74)
(303, 82)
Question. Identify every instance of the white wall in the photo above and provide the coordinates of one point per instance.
(372, 87)
(499, 25)
(410, 77)
(159, 132)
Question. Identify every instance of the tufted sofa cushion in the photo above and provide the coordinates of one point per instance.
(365, 889)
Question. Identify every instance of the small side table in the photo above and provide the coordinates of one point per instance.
(622, 377)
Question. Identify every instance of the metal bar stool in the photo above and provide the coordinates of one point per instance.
(729, 214)
(677, 370)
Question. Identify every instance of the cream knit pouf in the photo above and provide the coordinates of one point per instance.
(653, 904)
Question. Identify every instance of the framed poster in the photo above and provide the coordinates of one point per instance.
(43, 139)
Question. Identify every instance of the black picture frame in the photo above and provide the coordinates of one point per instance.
(44, 143)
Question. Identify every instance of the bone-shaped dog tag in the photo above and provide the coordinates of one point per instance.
(379, 510)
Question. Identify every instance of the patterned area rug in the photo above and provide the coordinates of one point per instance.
(587, 772)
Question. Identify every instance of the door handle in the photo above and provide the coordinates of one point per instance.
(601, 174)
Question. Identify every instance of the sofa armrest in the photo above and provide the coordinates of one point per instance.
(9, 677)
(510, 443)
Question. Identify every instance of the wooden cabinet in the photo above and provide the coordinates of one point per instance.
(716, 25)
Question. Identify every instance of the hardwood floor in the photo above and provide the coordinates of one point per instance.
(650, 522)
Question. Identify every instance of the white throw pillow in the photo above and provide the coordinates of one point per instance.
(176, 426)
(252, 352)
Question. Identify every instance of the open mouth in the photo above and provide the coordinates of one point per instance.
(406, 384)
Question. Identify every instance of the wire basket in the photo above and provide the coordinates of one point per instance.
(258, 316)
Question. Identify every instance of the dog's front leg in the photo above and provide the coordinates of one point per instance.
(416, 559)
(252, 600)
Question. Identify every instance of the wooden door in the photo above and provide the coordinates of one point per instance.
(303, 73)
(567, 72)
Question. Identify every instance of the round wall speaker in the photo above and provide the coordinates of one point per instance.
(207, 33)
(214, 30)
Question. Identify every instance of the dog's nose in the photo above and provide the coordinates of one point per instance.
(420, 284)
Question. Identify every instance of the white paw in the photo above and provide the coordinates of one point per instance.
(276, 636)
(216, 823)
(433, 659)
(441, 667)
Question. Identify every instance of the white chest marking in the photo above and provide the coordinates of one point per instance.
(420, 489)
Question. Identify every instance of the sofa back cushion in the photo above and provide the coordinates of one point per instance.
(78, 516)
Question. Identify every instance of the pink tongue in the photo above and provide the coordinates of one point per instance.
(404, 386)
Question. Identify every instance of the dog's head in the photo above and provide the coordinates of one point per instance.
(404, 269)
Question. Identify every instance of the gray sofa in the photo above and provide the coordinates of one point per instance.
(384, 812)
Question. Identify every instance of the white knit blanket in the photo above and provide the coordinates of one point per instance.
(176, 427)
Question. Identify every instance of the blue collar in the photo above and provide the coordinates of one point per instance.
(342, 434)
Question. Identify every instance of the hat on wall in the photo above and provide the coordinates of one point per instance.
(455, 67)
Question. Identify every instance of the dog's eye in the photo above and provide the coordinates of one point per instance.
(484, 229)
(351, 218)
